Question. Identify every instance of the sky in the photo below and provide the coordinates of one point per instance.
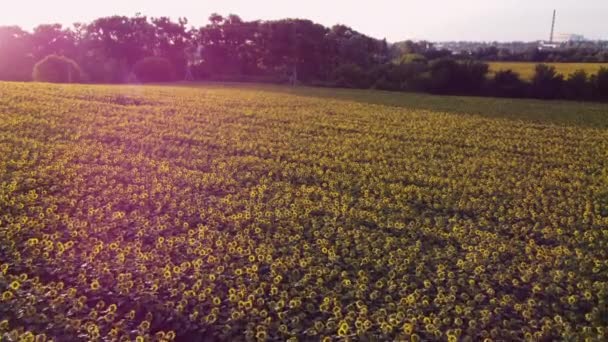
(395, 20)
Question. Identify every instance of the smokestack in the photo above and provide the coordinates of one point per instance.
(552, 27)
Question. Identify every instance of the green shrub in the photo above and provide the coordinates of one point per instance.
(351, 76)
(600, 84)
(507, 83)
(547, 83)
(412, 58)
(448, 76)
(57, 69)
(154, 69)
(577, 86)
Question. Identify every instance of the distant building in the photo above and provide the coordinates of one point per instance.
(568, 37)
(548, 45)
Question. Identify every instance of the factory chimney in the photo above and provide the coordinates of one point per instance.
(552, 28)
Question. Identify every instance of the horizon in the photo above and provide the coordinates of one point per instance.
(394, 20)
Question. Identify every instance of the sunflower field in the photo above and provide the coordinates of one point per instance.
(200, 214)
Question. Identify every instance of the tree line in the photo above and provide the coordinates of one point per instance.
(108, 49)
(582, 54)
(121, 49)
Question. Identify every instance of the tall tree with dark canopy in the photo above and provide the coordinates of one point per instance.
(16, 59)
(172, 39)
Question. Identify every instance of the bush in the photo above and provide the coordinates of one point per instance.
(600, 84)
(101, 69)
(57, 69)
(351, 76)
(201, 71)
(386, 77)
(443, 77)
(577, 87)
(507, 83)
(472, 76)
(546, 84)
(154, 69)
(448, 76)
(397, 76)
(412, 58)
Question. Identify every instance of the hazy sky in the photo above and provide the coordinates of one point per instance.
(394, 19)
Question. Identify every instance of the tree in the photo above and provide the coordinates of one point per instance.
(412, 58)
(486, 53)
(405, 76)
(109, 49)
(546, 83)
(432, 54)
(215, 49)
(154, 69)
(110, 46)
(354, 47)
(507, 83)
(448, 76)
(57, 69)
(121, 39)
(409, 47)
(351, 76)
(171, 42)
(577, 86)
(52, 39)
(306, 58)
(600, 84)
(16, 61)
(471, 76)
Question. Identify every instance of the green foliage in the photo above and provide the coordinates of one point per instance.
(546, 83)
(600, 84)
(507, 83)
(154, 69)
(407, 76)
(297, 51)
(449, 76)
(577, 86)
(351, 76)
(16, 60)
(106, 70)
(528, 52)
(472, 75)
(412, 58)
(57, 69)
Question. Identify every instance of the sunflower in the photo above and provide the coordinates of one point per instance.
(7, 295)
(15, 285)
(95, 285)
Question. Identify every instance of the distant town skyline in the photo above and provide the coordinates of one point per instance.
(434, 20)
